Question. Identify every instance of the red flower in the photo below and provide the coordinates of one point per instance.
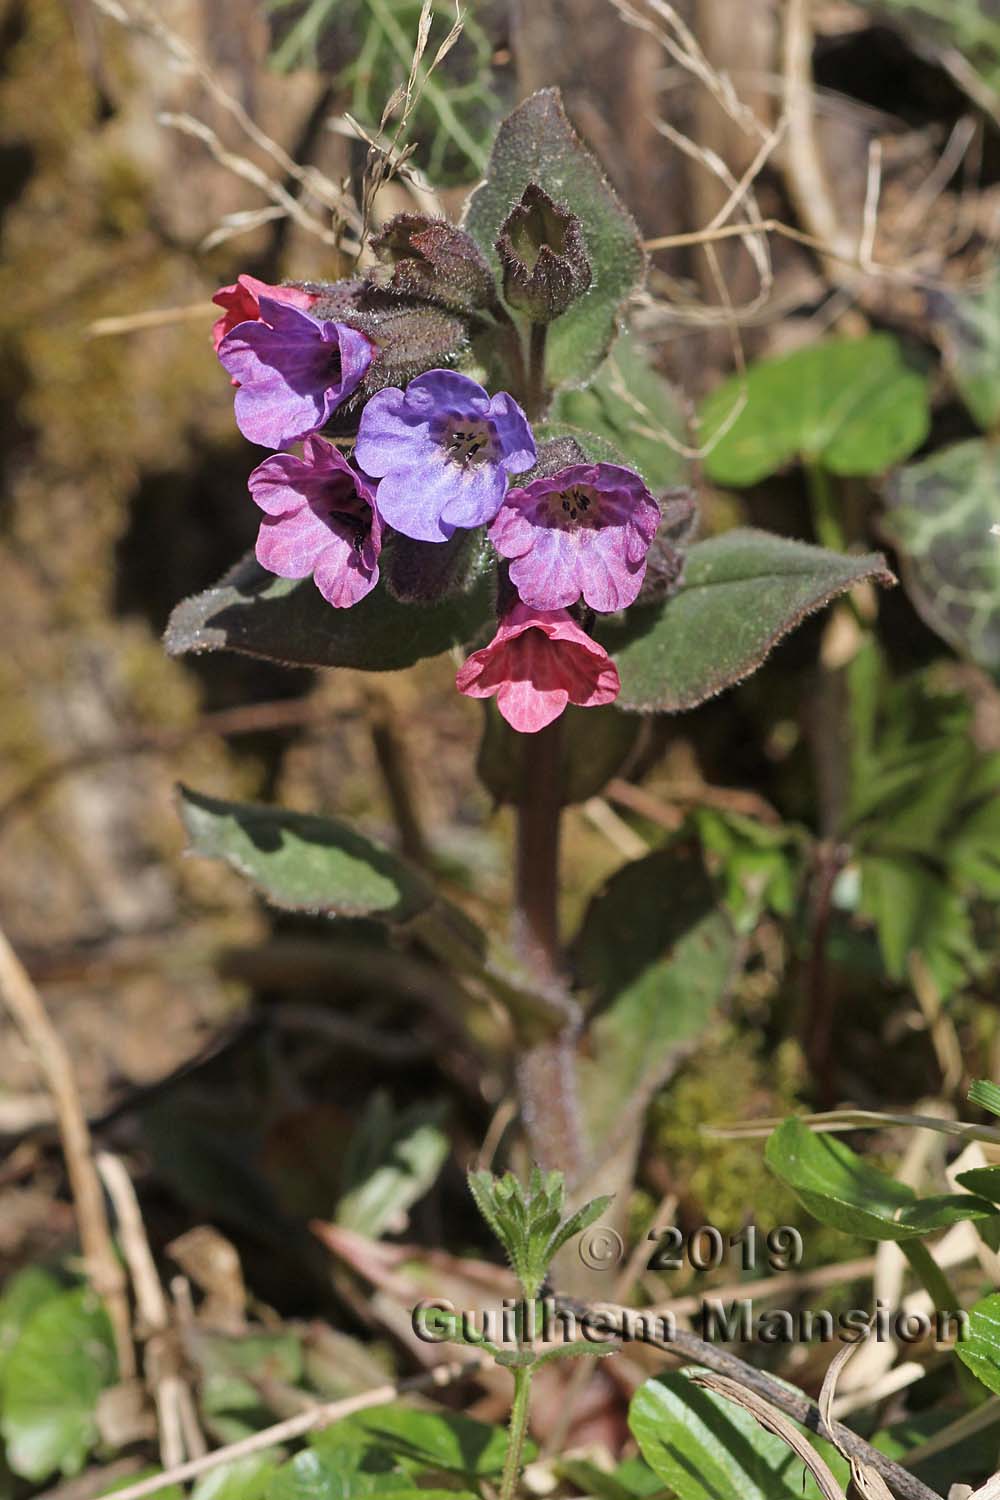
(241, 302)
(538, 661)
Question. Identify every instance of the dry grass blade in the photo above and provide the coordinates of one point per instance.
(869, 1484)
(773, 1420)
(143, 17)
(856, 1119)
(103, 1269)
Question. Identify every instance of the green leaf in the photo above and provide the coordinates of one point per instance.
(305, 863)
(288, 621)
(348, 1467)
(245, 1479)
(986, 1095)
(968, 324)
(980, 1348)
(985, 1181)
(22, 1296)
(594, 743)
(915, 910)
(939, 515)
(536, 143)
(446, 1442)
(841, 1189)
(392, 1161)
(632, 1480)
(742, 593)
(703, 1447)
(658, 953)
(851, 405)
(54, 1374)
(632, 406)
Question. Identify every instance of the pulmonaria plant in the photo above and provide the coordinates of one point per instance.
(438, 454)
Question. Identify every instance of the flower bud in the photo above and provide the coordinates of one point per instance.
(433, 261)
(541, 250)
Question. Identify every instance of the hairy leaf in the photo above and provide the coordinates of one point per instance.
(851, 405)
(288, 621)
(940, 514)
(742, 593)
(445, 1442)
(843, 1190)
(538, 144)
(968, 324)
(305, 863)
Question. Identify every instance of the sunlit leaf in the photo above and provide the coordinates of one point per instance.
(851, 405)
(742, 593)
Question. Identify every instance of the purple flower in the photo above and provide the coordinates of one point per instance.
(584, 531)
(293, 370)
(320, 518)
(443, 450)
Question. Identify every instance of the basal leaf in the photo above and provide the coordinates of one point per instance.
(54, 1375)
(843, 1190)
(703, 1447)
(288, 621)
(984, 1181)
(305, 863)
(939, 517)
(632, 406)
(742, 593)
(657, 952)
(851, 405)
(536, 143)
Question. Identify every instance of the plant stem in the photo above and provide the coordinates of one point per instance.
(536, 395)
(538, 815)
(517, 1431)
(822, 494)
(930, 1275)
(546, 1070)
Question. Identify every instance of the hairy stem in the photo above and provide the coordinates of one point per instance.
(517, 1431)
(537, 398)
(546, 1071)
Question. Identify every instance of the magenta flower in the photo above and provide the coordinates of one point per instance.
(241, 303)
(293, 371)
(320, 519)
(583, 532)
(443, 450)
(537, 662)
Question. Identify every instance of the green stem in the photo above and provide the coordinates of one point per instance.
(824, 498)
(517, 1431)
(930, 1275)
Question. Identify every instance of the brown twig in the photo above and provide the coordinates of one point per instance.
(658, 809)
(103, 1269)
(307, 1421)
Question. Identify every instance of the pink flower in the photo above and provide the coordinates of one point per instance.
(241, 303)
(537, 662)
(583, 532)
(320, 519)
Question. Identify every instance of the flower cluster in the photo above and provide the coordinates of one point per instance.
(435, 456)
